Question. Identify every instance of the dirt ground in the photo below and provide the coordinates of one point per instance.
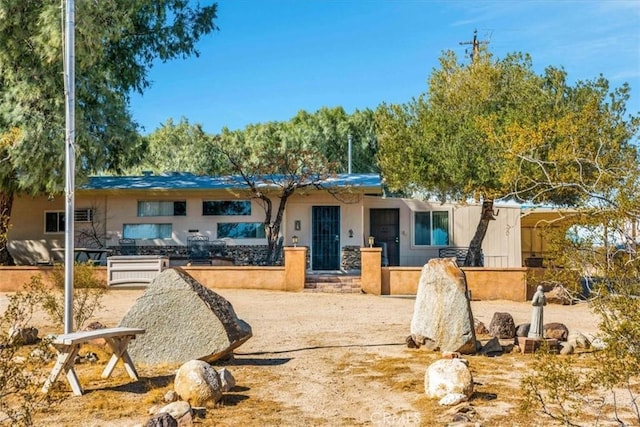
(318, 359)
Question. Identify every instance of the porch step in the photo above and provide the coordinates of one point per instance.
(332, 283)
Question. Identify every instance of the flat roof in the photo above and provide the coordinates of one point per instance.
(188, 181)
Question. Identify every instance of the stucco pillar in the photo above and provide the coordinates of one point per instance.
(371, 270)
(295, 267)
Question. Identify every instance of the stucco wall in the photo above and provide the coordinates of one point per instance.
(484, 283)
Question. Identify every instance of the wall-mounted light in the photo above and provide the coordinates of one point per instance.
(371, 240)
(297, 225)
(294, 239)
(350, 233)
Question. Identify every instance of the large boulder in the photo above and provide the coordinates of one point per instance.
(183, 320)
(442, 315)
(446, 376)
(198, 383)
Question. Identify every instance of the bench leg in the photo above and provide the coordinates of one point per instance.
(66, 357)
(119, 348)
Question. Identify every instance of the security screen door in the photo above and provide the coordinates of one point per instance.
(325, 238)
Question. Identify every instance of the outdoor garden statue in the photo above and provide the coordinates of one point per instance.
(538, 302)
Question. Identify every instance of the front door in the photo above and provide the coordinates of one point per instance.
(325, 238)
(385, 228)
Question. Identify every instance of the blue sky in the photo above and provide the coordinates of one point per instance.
(272, 58)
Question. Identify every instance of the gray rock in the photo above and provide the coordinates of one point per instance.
(502, 326)
(226, 379)
(162, 419)
(442, 315)
(183, 321)
(198, 383)
(578, 340)
(522, 330)
(566, 349)
(23, 336)
(492, 348)
(181, 411)
(556, 331)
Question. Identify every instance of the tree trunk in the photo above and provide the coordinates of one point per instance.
(474, 256)
(274, 245)
(6, 204)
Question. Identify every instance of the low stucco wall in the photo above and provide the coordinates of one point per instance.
(13, 278)
(277, 278)
(269, 278)
(484, 283)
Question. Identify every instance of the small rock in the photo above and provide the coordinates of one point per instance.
(447, 376)
(555, 330)
(558, 295)
(480, 328)
(566, 349)
(522, 330)
(23, 336)
(226, 379)
(198, 383)
(162, 419)
(578, 340)
(450, 355)
(502, 326)
(171, 396)
(453, 399)
(598, 344)
(411, 342)
(180, 411)
(492, 348)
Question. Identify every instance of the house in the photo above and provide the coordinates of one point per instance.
(334, 220)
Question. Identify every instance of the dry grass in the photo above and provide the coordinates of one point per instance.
(255, 401)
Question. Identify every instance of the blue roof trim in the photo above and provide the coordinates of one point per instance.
(187, 181)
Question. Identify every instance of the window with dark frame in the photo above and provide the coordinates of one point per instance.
(162, 208)
(226, 207)
(241, 230)
(431, 228)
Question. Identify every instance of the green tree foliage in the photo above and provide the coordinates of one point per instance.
(180, 147)
(275, 160)
(331, 128)
(495, 129)
(116, 45)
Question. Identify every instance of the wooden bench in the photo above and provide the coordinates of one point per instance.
(68, 345)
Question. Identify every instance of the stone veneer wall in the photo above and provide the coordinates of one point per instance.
(247, 255)
(350, 259)
(241, 254)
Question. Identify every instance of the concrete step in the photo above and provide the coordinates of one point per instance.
(332, 283)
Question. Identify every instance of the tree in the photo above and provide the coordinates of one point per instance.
(181, 147)
(275, 160)
(116, 45)
(331, 129)
(495, 129)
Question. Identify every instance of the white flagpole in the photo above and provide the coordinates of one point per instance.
(70, 95)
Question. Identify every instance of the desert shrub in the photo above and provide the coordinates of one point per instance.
(21, 367)
(598, 246)
(87, 294)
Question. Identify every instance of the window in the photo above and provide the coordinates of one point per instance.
(83, 215)
(54, 220)
(431, 228)
(146, 231)
(241, 230)
(162, 208)
(226, 207)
